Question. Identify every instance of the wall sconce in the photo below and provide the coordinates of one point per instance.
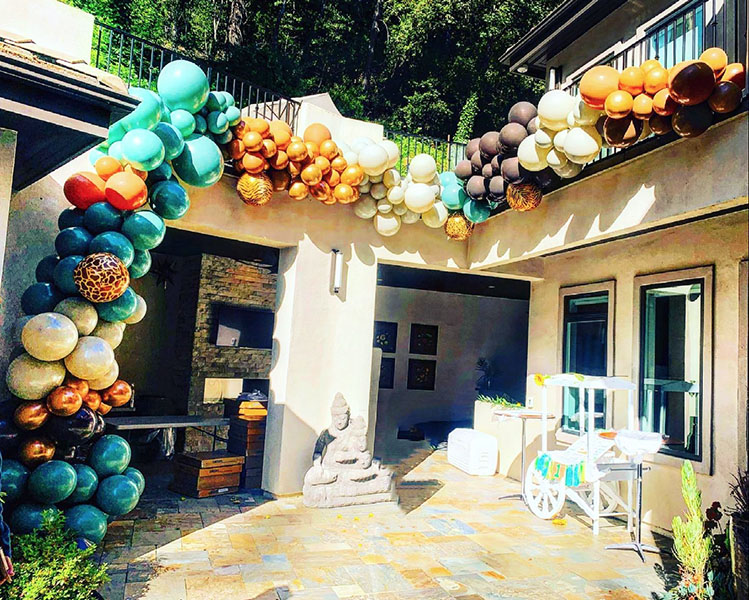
(337, 270)
(522, 69)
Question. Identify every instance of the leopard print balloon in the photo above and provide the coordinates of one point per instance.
(101, 277)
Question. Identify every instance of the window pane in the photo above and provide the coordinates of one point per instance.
(585, 345)
(671, 373)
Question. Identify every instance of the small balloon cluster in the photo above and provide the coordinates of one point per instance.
(88, 493)
(494, 173)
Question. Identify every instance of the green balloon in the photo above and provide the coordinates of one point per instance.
(52, 482)
(201, 126)
(448, 177)
(27, 517)
(45, 269)
(184, 121)
(222, 138)
(114, 243)
(120, 309)
(63, 274)
(137, 477)
(143, 149)
(217, 122)
(229, 99)
(141, 264)
(183, 85)
(233, 115)
(115, 150)
(145, 229)
(169, 199)
(146, 114)
(161, 173)
(101, 217)
(87, 521)
(476, 211)
(201, 163)
(116, 132)
(85, 486)
(172, 139)
(216, 101)
(454, 196)
(110, 455)
(13, 480)
(117, 495)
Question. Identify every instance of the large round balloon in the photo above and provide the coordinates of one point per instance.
(106, 166)
(582, 144)
(39, 298)
(126, 191)
(146, 115)
(522, 113)
(169, 200)
(73, 430)
(102, 277)
(91, 358)
(531, 156)
(145, 230)
(419, 197)
(513, 171)
(691, 121)
(70, 217)
(119, 309)
(488, 144)
(73, 240)
(87, 521)
(186, 123)
(86, 483)
(597, 83)
(463, 170)
(476, 211)
(143, 149)
(476, 187)
(171, 138)
(45, 269)
(373, 159)
(454, 196)
(117, 495)
(110, 455)
(725, 98)
(52, 482)
(81, 312)
(107, 379)
(101, 217)
(691, 82)
(13, 480)
(28, 517)
(113, 242)
(32, 379)
(64, 401)
(386, 224)
(436, 216)
(553, 108)
(49, 336)
(183, 85)
(83, 189)
(137, 477)
(63, 275)
(112, 333)
(365, 207)
(200, 164)
(622, 133)
(36, 450)
(510, 137)
(523, 196)
(31, 415)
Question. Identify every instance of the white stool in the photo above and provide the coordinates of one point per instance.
(472, 451)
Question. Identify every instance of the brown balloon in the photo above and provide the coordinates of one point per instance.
(622, 133)
(92, 400)
(280, 180)
(117, 394)
(35, 451)
(691, 82)
(64, 401)
(691, 121)
(79, 385)
(31, 415)
(659, 124)
(463, 170)
(103, 409)
(725, 98)
(471, 147)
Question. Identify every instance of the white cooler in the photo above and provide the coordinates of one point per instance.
(472, 451)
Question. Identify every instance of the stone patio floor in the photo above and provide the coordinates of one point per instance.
(450, 537)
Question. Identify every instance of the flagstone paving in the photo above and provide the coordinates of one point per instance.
(450, 537)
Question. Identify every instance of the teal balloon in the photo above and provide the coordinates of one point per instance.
(229, 99)
(73, 240)
(116, 132)
(146, 114)
(216, 101)
(141, 264)
(170, 200)
(137, 477)
(101, 217)
(161, 173)
(183, 85)
(454, 196)
(448, 177)
(45, 269)
(115, 150)
(201, 163)
(96, 153)
(223, 138)
(201, 125)
(70, 217)
(13, 480)
(28, 517)
(476, 211)
(87, 521)
(184, 121)
(120, 309)
(171, 138)
(217, 122)
(86, 484)
(117, 495)
(63, 274)
(145, 229)
(143, 149)
(41, 297)
(52, 482)
(114, 243)
(233, 115)
(110, 455)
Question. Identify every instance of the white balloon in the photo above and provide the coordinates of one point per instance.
(393, 152)
(582, 144)
(91, 358)
(343, 147)
(569, 170)
(422, 168)
(543, 137)
(81, 312)
(378, 191)
(582, 114)
(110, 332)
(373, 159)
(387, 224)
(410, 217)
(376, 178)
(419, 197)
(436, 216)
(437, 189)
(364, 187)
(396, 194)
(556, 159)
(140, 312)
(531, 156)
(352, 158)
(49, 336)
(559, 140)
(103, 382)
(391, 178)
(365, 207)
(400, 209)
(554, 107)
(383, 206)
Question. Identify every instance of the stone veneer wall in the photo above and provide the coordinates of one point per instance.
(205, 281)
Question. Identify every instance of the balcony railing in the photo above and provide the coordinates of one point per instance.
(446, 153)
(138, 63)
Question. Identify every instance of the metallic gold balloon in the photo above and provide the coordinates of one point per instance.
(103, 409)
(118, 394)
(64, 401)
(523, 196)
(457, 227)
(255, 190)
(93, 400)
(31, 415)
(79, 385)
(35, 451)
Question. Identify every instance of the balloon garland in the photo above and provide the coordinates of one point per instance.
(67, 378)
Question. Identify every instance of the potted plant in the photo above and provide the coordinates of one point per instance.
(739, 534)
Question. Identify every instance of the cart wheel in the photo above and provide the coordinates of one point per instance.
(545, 498)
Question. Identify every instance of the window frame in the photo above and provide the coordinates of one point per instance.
(587, 289)
(703, 462)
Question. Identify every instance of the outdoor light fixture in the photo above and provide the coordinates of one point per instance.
(338, 270)
(522, 69)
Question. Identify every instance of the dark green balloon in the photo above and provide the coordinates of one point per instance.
(45, 268)
(161, 173)
(110, 455)
(117, 495)
(63, 274)
(137, 477)
(70, 217)
(114, 243)
(120, 309)
(141, 264)
(169, 200)
(52, 482)
(73, 240)
(27, 517)
(86, 484)
(87, 521)
(145, 229)
(13, 480)
(101, 217)
(40, 297)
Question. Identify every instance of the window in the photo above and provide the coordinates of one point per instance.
(680, 37)
(674, 357)
(587, 346)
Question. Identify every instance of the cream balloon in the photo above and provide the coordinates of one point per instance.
(91, 358)
(375, 178)
(373, 160)
(419, 197)
(422, 168)
(559, 140)
(364, 187)
(400, 209)
(343, 147)
(49, 336)
(543, 137)
(582, 144)
(31, 379)
(351, 157)
(531, 156)
(140, 312)
(396, 194)
(553, 108)
(110, 332)
(358, 144)
(378, 191)
(391, 178)
(107, 379)
(556, 159)
(81, 312)
(410, 217)
(383, 206)
(365, 207)
(436, 216)
(582, 114)
(387, 224)
(393, 152)
(569, 170)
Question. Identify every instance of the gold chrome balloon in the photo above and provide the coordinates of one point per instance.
(31, 415)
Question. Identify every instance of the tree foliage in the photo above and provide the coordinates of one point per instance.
(410, 64)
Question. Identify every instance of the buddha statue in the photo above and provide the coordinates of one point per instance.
(343, 471)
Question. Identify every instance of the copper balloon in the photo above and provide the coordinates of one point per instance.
(280, 180)
(117, 394)
(725, 98)
(622, 133)
(35, 451)
(92, 400)
(79, 385)
(64, 401)
(691, 82)
(31, 415)
(736, 73)
(691, 121)
(659, 124)
(103, 409)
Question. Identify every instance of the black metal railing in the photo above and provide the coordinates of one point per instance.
(446, 153)
(138, 63)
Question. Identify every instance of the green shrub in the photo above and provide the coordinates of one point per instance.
(49, 565)
(501, 400)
